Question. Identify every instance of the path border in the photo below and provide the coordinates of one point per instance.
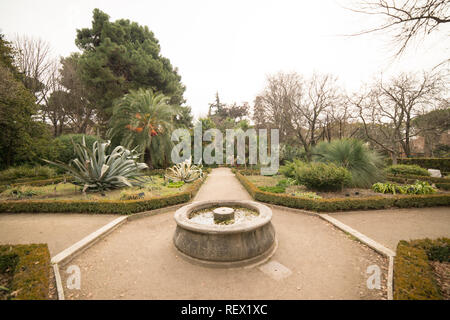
(374, 245)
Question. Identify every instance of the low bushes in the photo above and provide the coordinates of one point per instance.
(406, 169)
(26, 172)
(419, 187)
(102, 206)
(30, 269)
(343, 204)
(442, 164)
(322, 176)
(413, 275)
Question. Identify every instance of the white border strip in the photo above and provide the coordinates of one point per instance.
(59, 286)
(361, 237)
(88, 240)
(372, 244)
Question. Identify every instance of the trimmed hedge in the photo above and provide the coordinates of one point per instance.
(407, 169)
(100, 206)
(442, 164)
(345, 204)
(31, 270)
(413, 275)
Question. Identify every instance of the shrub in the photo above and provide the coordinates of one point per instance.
(288, 170)
(364, 164)
(65, 145)
(286, 182)
(177, 184)
(97, 171)
(406, 169)
(420, 187)
(27, 171)
(30, 265)
(273, 189)
(322, 176)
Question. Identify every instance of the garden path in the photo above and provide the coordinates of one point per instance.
(139, 261)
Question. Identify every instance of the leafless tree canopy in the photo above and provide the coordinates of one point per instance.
(407, 19)
(388, 109)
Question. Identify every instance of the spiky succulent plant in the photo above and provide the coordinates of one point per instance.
(96, 170)
(185, 171)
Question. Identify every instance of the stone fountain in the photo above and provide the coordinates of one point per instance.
(228, 238)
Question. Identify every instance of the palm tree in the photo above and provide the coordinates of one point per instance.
(364, 164)
(144, 119)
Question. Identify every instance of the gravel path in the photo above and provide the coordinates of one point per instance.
(388, 227)
(59, 231)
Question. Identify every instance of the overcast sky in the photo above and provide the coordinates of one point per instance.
(231, 46)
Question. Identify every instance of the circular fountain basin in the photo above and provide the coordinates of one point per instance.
(248, 241)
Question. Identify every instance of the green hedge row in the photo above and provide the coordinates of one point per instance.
(31, 270)
(413, 275)
(442, 164)
(100, 206)
(344, 204)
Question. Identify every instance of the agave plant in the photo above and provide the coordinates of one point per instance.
(97, 171)
(185, 171)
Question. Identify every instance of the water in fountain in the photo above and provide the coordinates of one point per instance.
(206, 216)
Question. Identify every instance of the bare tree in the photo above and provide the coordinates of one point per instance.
(35, 62)
(407, 19)
(387, 111)
(298, 107)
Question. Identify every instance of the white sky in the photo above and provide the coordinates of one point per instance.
(230, 46)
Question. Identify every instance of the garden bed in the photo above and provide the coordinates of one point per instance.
(380, 201)
(421, 270)
(25, 272)
(156, 195)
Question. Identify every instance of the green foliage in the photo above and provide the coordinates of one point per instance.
(286, 182)
(145, 120)
(419, 187)
(184, 171)
(344, 204)
(308, 195)
(177, 184)
(290, 153)
(406, 169)
(27, 171)
(100, 206)
(30, 266)
(22, 139)
(98, 171)
(273, 189)
(442, 164)
(413, 275)
(322, 176)
(65, 145)
(364, 164)
(120, 56)
(288, 170)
